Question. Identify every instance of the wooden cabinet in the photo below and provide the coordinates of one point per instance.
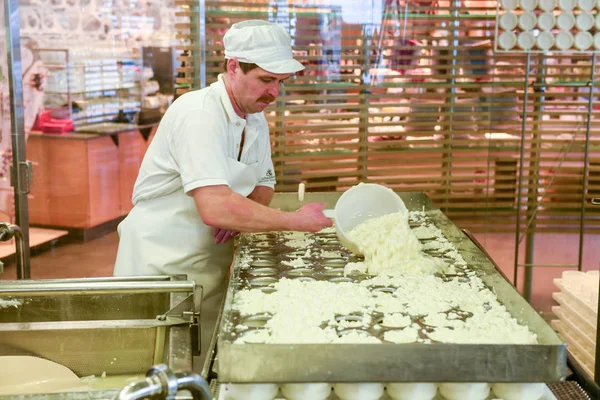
(82, 180)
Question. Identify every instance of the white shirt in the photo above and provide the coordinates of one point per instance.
(193, 141)
(196, 144)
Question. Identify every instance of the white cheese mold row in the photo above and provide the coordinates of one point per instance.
(393, 391)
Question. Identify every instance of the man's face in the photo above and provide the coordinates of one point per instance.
(256, 89)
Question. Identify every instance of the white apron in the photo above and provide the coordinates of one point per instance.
(165, 235)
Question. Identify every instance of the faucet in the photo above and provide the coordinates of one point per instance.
(162, 382)
(7, 232)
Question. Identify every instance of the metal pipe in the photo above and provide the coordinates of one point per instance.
(20, 247)
(20, 173)
(200, 55)
(566, 84)
(447, 156)
(149, 387)
(533, 183)
(586, 161)
(96, 288)
(195, 384)
(596, 201)
(38, 282)
(597, 366)
(7, 232)
(521, 162)
(162, 382)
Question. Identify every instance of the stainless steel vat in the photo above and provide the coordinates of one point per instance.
(117, 326)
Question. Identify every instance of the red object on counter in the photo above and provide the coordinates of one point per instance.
(42, 118)
(47, 124)
(61, 127)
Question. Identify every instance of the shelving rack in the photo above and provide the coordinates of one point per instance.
(91, 91)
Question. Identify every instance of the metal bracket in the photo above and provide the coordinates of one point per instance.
(25, 170)
(190, 307)
(189, 311)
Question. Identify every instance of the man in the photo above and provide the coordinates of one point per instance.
(208, 172)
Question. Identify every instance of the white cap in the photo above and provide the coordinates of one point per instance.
(262, 43)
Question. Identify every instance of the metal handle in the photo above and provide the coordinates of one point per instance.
(25, 172)
(329, 213)
(596, 201)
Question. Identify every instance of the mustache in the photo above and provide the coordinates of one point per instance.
(267, 98)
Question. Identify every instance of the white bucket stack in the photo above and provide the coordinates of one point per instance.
(577, 314)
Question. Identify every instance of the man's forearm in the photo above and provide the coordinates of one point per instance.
(222, 208)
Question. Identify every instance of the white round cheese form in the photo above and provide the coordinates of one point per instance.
(528, 5)
(546, 21)
(586, 5)
(545, 41)
(548, 5)
(564, 40)
(358, 391)
(597, 40)
(306, 391)
(567, 5)
(509, 21)
(509, 4)
(585, 21)
(507, 40)
(526, 40)
(527, 21)
(584, 40)
(251, 391)
(565, 21)
(411, 391)
(598, 21)
(465, 391)
(519, 391)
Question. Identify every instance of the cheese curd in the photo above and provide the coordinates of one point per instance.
(391, 248)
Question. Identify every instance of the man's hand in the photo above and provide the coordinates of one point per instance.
(312, 218)
(223, 235)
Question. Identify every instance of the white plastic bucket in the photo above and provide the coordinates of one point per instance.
(360, 203)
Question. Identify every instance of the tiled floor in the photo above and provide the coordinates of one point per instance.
(96, 258)
(72, 260)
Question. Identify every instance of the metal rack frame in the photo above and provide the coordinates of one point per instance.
(591, 383)
(20, 170)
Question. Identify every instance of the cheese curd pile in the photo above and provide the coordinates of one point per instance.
(308, 312)
(391, 248)
(10, 303)
(405, 300)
